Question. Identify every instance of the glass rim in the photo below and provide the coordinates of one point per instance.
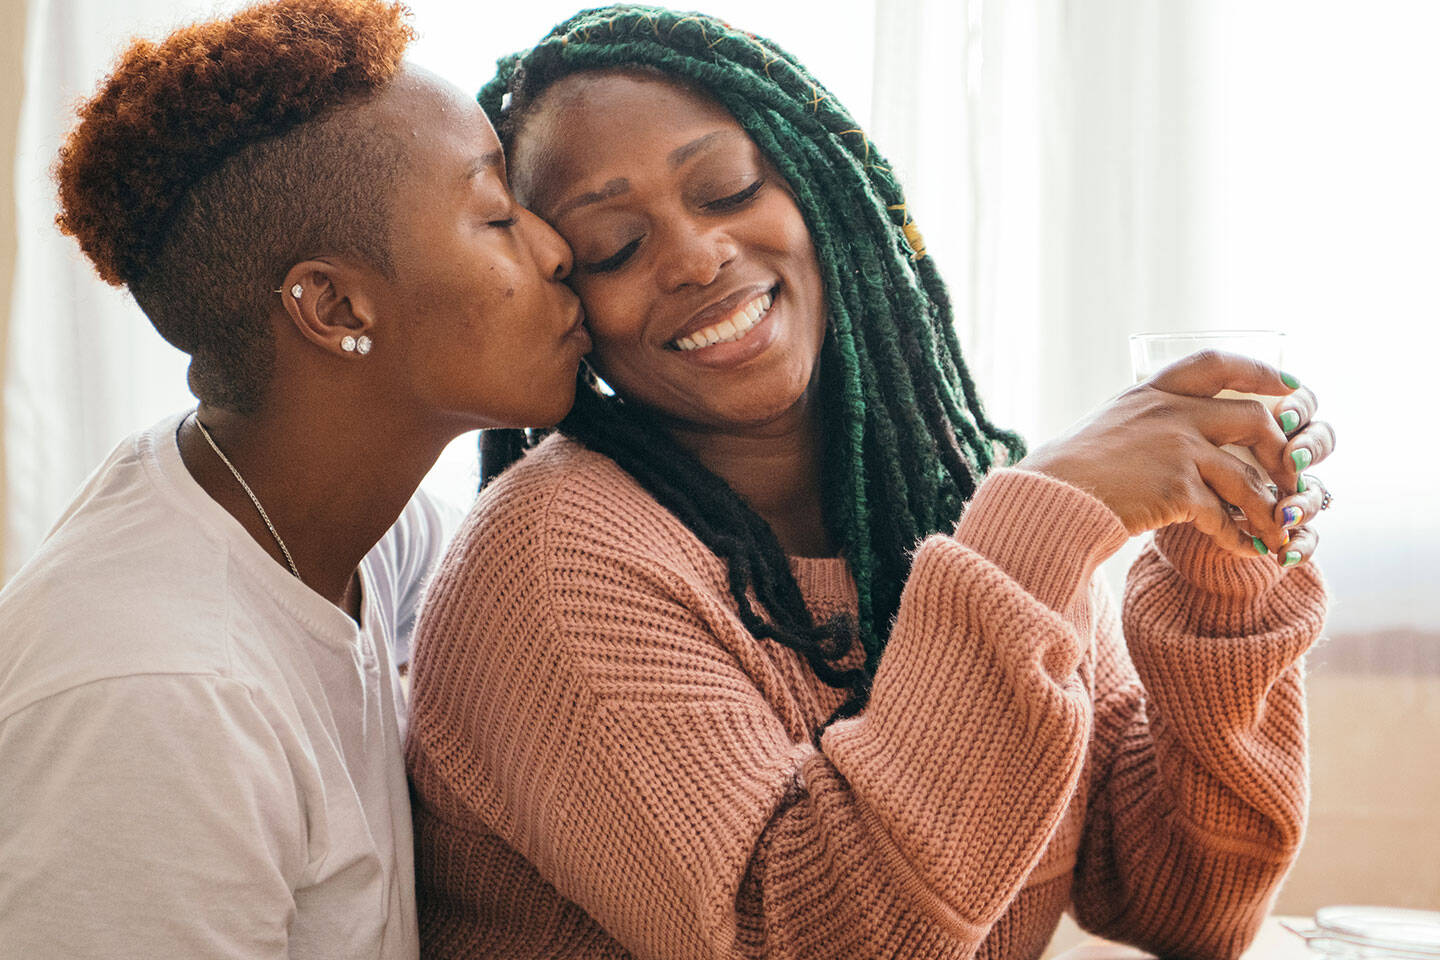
(1202, 335)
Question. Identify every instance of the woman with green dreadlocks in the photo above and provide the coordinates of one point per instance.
(769, 652)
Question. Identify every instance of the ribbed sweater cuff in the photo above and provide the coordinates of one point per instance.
(1218, 572)
(1048, 536)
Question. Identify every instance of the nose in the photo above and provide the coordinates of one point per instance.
(694, 253)
(552, 253)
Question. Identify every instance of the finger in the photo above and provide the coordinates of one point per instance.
(1300, 549)
(1211, 516)
(1236, 482)
(1206, 373)
(1296, 410)
(1300, 508)
(1244, 423)
(1307, 448)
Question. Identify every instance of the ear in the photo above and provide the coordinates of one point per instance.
(331, 305)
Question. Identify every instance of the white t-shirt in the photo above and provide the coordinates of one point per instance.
(200, 757)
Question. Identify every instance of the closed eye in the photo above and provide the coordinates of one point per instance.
(615, 260)
(736, 199)
(505, 224)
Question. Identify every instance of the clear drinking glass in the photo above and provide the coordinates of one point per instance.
(1150, 352)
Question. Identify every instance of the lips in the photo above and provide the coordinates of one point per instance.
(725, 321)
(577, 331)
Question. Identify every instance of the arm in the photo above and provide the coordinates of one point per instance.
(1199, 805)
(603, 712)
(147, 816)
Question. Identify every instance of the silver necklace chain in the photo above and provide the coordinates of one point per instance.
(251, 493)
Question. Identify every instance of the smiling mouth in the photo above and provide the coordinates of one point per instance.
(734, 327)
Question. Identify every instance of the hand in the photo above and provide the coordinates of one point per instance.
(1152, 453)
(1310, 442)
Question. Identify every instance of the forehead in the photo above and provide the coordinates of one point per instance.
(590, 127)
(437, 124)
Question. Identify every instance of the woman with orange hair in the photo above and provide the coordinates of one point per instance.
(200, 718)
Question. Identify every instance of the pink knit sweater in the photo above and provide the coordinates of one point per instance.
(606, 764)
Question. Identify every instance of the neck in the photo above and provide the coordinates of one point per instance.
(776, 470)
(331, 487)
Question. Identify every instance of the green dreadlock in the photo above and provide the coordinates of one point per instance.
(905, 437)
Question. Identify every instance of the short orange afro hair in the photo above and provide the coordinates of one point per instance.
(173, 111)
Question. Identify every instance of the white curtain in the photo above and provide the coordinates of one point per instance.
(1084, 171)
(84, 367)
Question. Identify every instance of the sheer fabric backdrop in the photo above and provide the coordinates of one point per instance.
(1081, 171)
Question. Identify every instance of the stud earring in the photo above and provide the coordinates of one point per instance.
(296, 291)
(348, 344)
(362, 346)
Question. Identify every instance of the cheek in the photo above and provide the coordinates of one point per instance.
(614, 315)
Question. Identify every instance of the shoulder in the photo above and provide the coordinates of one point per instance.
(565, 543)
(124, 585)
(566, 501)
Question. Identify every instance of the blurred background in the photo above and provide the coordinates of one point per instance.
(1082, 170)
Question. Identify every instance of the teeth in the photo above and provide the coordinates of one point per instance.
(731, 328)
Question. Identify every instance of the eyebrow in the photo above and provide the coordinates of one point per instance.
(620, 185)
(495, 158)
(680, 154)
(612, 189)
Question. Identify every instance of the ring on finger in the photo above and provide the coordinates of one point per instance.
(1325, 498)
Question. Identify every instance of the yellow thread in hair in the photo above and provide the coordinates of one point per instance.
(913, 237)
(651, 19)
(866, 158)
(703, 35)
(816, 98)
(916, 241)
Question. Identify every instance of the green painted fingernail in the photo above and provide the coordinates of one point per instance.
(1289, 420)
(1260, 547)
(1299, 484)
(1290, 381)
(1301, 456)
(1292, 557)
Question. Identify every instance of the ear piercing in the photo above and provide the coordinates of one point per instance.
(349, 344)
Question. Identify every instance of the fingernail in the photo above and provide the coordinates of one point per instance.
(1289, 420)
(1291, 516)
(1299, 484)
(1284, 537)
(1260, 547)
(1292, 557)
(1301, 456)
(1290, 381)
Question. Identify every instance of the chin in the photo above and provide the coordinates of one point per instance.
(553, 413)
(752, 417)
